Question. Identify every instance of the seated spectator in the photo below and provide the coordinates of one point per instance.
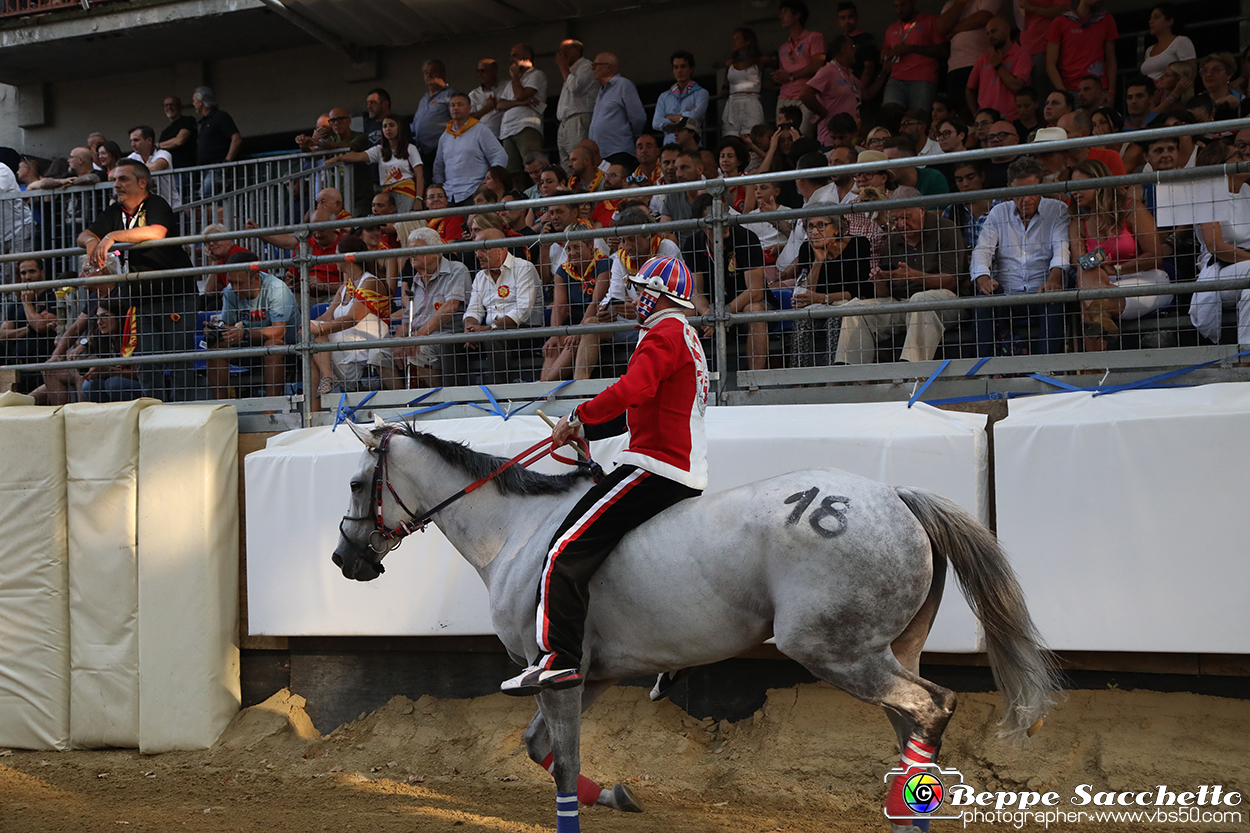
(386, 268)
(359, 311)
(881, 179)
(1058, 103)
(506, 295)
(440, 290)
(875, 139)
(832, 268)
(924, 260)
(258, 310)
(398, 161)
(331, 199)
(1178, 249)
(1055, 162)
(999, 73)
(1217, 71)
(1138, 94)
(1078, 125)
(1104, 220)
(1165, 25)
(466, 150)
(1225, 251)
(814, 188)
(1242, 82)
(613, 180)
(215, 254)
(744, 279)
(647, 151)
(1174, 87)
(106, 155)
(485, 196)
(1001, 135)
(108, 332)
(1022, 249)
(518, 220)
(581, 285)
(557, 219)
(28, 331)
(584, 172)
(498, 180)
(1088, 94)
(866, 223)
(1027, 117)
(383, 205)
(925, 180)
(952, 135)
(941, 110)
(711, 163)
(627, 259)
(680, 206)
(685, 99)
(450, 228)
(534, 164)
(324, 279)
(845, 183)
(982, 121)
(915, 126)
(733, 157)
(969, 217)
(1107, 121)
(772, 233)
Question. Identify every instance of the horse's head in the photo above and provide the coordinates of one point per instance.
(355, 553)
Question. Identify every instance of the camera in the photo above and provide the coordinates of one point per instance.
(1089, 260)
(213, 328)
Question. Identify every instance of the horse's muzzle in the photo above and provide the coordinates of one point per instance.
(355, 566)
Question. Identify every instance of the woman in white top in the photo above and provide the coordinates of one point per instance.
(359, 311)
(1169, 46)
(398, 161)
(743, 110)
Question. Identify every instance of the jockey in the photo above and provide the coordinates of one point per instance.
(660, 400)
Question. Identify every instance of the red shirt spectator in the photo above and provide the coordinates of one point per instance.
(795, 54)
(921, 30)
(986, 83)
(1036, 24)
(1082, 45)
(837, 90)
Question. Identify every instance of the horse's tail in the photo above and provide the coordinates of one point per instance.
(1023, 668)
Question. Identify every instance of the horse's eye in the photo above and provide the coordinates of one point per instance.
(356, 485)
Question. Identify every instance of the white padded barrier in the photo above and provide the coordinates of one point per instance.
(188, 561)
(1125, 515)
(297, 489)
(102, 469)
(34, 606)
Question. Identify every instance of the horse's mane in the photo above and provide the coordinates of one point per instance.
(517, 480)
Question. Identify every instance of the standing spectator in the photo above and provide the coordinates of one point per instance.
(619, 117)
(833, 89)
(1022, 249)
(143, 143)
(506, 295)
(686, 99)
(434, 110)
(999, 73)
(484, 98)
(743, 81)
(165, 307)
(440, 288)
(912, 48)
(799, 58)
(218, 141)
(867, 55)
(466, 150)
(1038, 15)
(344, 138)
(1081, 42)
(377, 107)
(258, 310)
(962, 23)
(398, 161)
(16, 220)
(1058, 104)
(522, 101)
(928, 261)
(577, 97)
(178, 137)
(1170, 45)
(647, 151)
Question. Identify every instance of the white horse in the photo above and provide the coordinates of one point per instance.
(846, 573)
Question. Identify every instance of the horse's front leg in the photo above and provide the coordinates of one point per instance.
(562, 712)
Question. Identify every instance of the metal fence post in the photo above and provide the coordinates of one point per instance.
(717, 230)
(305, 338)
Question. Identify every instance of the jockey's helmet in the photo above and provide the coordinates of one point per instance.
(667, 276)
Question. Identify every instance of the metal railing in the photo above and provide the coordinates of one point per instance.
(24, 8)
(732, 383)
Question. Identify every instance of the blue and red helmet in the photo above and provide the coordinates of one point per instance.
(667, 276)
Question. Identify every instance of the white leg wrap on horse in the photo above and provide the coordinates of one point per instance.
(566, 813)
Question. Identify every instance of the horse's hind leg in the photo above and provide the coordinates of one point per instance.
(538, 747)
(908, 645)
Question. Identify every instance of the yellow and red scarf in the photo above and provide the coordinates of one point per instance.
(575, 183)
(628, 262)
(451, 127)
(587, 277)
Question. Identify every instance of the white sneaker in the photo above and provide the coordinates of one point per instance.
(534, 679)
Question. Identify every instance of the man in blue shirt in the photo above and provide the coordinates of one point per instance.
(684, 100)
(466, 150)
(258, 310)
(618, 118)
(432, 112)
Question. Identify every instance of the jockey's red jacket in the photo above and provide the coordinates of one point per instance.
(661, 400)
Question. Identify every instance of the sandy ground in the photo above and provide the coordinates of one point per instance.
(811, 760)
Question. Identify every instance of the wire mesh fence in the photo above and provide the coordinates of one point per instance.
(265, 288)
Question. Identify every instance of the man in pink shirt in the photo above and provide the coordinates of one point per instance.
(799, 57)
(1082, 42)
(834, 88)
(962, 22)
(912, 49)
(1037, 17)
(1000, 73)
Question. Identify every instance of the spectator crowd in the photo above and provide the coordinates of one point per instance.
(977, 74)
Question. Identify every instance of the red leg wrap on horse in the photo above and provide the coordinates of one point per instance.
(587, 791)
(917, 753)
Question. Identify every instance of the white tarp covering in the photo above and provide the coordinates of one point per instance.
(1124, 514)
(34, 605)
(297, 489)
(188, 560)
(102, 468)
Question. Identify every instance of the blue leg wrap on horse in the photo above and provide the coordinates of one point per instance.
(566, 813)
(921, 824)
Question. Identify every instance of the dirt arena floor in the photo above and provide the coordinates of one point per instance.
(812, 759)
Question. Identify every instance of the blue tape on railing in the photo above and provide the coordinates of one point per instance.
(546, 395)
(428, 408)
(980, 364)
(1150, 381)
(339, 415)
(1050, 380)
(498, 409)
(424, 396)
(941, 369)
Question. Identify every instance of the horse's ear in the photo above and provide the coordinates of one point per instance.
(364, 433)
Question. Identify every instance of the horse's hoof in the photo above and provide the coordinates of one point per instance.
(623, 799)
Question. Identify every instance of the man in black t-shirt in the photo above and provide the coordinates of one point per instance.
(28, 334)
(218, 140)
(178, 137)
(744, 278)
(165, 307)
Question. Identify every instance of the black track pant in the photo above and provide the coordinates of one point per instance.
(622, 500)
